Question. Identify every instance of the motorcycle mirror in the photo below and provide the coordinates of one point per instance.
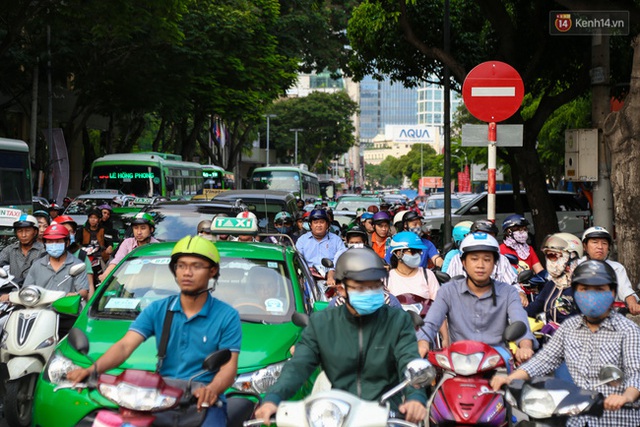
(524, 276)
(326, 262)
(76, 269)
(216, 359)
(3, 273)
(611, 375)
(300, 319)
(442, 276)
(416, 319)
(78, 340)
(514, 331)
(513, 260)
(419, 373)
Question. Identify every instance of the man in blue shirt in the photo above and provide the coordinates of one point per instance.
(476, 306)
(201, 325)
(319, 243)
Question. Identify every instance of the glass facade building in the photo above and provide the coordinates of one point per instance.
(431, 104)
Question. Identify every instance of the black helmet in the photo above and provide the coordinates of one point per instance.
(319, 214)
(514, 220)
(594, 273)
(360, 264)
(410, 216)
(357, 231)
(484, 226)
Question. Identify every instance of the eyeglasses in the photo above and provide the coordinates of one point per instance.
(552, 256)
(191, 267)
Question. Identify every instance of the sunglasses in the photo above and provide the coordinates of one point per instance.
(552, 256)
(279, 223)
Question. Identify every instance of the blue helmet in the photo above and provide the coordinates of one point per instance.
(319, 214)
(366, 215)
(460, 231)
(514, 221)
(406, 240)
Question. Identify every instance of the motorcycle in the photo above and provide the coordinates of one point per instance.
(337, 407)
(319, 273)
(463, 396)
(94, 254)
(28, 339)
(7, 285)
(549, 402)
(144, 398)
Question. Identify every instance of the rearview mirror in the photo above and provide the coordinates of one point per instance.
(3, 273)
(215, 360)
(78, 341)
(442, 276)
(514, 331)
(300, 319)
(610, 375)
(524, 276)
(419, 373)
(77, 269)
(326, 262)
(415, 318)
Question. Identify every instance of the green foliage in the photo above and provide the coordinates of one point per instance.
(327, 128)
(378, 176)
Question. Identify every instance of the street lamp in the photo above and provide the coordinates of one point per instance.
(296, 130)
(268, 116)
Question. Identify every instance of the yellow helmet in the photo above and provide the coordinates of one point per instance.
(194, 246)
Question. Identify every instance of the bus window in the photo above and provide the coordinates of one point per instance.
(277, 180)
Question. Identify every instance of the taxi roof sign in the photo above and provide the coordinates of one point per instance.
(234, 226)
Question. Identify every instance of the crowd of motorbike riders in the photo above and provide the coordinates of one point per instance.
(381, 263)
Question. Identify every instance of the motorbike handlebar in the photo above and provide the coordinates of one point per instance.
(257, 422)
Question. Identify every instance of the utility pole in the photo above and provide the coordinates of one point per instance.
(268, 116)
(296, 130)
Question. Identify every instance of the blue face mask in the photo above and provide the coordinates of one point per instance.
(366, 302)
(594, 303)
(72, 239)
(55, 249)
(306, 226)
(283, 230)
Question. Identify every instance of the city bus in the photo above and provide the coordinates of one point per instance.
(215, 180)
(15, 175)
(147, 174)
(297, 180)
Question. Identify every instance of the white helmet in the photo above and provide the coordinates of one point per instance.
(596, 233)
(399, 217)
(479, 242)
(563, 242)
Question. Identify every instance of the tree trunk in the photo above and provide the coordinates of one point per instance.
(621, 130)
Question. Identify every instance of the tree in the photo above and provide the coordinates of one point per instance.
(402, 39)
(378, 176)
(327, 128)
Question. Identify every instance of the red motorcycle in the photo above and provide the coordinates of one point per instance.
(463, 395)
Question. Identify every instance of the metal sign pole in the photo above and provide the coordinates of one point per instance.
(491, 173)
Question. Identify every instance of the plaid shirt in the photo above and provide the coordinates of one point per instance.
(616, 342)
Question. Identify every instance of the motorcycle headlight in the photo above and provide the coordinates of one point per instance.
(443, 361)
(466, 364)
(571, 410)
(327, 412)
(57, 368)
(46, 343)
(539, 403)
(30, 295)
(136, 398)
(259, 381)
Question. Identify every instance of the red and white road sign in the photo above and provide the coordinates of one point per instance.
(493, 91)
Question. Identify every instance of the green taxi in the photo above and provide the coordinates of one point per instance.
(266, 283)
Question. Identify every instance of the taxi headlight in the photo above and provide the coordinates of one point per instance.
(30, 295)
(327, 412)
(57, 368)
(259, 381)
(136, 398)
(539, 403)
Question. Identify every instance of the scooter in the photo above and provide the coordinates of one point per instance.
(28, 339)
(339, 408)
(549, 402)
(7, 285)
(144, 398)
(463, 395)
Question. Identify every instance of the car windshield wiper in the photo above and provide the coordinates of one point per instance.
(257, 321)
(117, 314)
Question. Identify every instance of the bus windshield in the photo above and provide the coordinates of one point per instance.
(139, 180)
(15, 181)
(277, 180)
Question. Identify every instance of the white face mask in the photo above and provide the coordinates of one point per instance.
(520, 236)
(355, 245)
(411, 261)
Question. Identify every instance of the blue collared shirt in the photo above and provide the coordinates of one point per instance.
(217, 326)
(475, 318)
(313, 250)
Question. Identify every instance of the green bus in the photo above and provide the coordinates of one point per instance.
(215, 180)
(297, 180)
(15, 175)
(147, 174)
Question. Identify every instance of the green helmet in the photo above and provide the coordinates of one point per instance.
(284, 216)
(143, 218)
(194, 246)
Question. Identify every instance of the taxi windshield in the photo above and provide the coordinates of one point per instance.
(259, 289)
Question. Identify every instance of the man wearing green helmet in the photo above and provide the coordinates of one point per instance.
(143, 227)
(199, 325)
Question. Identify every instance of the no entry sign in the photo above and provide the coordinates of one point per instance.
(493, 91)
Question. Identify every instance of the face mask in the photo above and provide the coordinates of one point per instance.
(305, 225)
(593, 303)
(72, 238)
(283, 230)
(411, 261)
(55, 249)
(355, 245)
(520, 236)
(206, 236)
(417, 230)
(557, 268)
(366, 302)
